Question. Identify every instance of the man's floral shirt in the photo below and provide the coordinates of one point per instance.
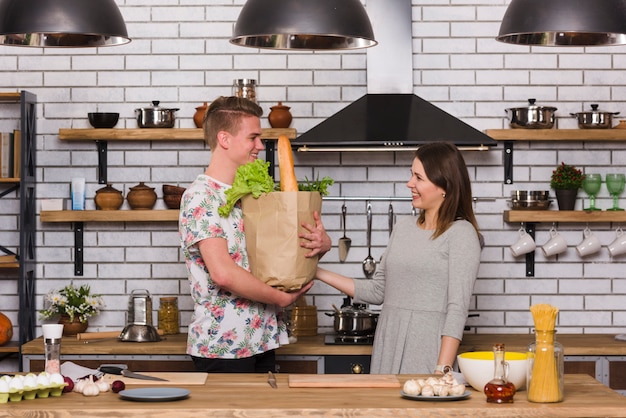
(223, 325)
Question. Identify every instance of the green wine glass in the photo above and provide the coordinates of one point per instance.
(591, 185)
(615, 186)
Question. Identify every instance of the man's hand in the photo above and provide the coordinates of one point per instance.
(317, 240)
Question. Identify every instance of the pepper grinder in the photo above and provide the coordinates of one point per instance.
(52, 334)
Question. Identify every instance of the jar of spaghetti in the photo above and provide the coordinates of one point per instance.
(168, 315)
(545, 368)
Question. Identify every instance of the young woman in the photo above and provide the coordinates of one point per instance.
(426, 277)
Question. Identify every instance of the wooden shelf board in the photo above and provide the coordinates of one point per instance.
(10, 347)
(10, 97)
(109, 215)
(557, 134)
(11, 180)
(563, 216)
(164, 134)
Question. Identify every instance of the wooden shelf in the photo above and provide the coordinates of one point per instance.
(157, 134)
(564, 216)
(11, 180)
(10, 347)
(10, 97)
(557, 134)
(109, 215)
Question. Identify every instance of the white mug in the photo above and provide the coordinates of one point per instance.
(589, 245)
(524, 245)
(555, 245)
(618, 246)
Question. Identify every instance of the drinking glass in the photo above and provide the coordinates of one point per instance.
(591, 186)
(615, 186)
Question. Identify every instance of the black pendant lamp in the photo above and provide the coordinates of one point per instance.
(61, 23)
(564, 23)
(304, 25)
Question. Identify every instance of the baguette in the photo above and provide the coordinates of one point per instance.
(288, 182)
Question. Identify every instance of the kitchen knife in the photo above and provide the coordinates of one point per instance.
(272, 380)
(127, 373)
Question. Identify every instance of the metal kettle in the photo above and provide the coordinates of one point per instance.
(139, 326)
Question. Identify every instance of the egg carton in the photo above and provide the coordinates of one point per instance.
(31, 386)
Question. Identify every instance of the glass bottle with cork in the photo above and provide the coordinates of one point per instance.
(499, 389)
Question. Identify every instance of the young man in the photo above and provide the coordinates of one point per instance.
(236, 325)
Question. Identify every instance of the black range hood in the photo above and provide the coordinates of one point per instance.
(389, 117)
(390, 122)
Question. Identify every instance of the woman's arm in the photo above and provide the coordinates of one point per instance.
(342, 283)
(447, 354)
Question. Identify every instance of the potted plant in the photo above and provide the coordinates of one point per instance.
(566, 180)
(74, 305)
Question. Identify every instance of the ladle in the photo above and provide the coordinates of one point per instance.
(344, 242)
(369, 264)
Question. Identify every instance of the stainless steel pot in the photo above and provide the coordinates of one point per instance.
(595, 119)
(354, 320)
(155, 116)
(532, 116)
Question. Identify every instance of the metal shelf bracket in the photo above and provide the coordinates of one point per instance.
(508, 162)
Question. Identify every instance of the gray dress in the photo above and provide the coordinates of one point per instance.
(426, 286)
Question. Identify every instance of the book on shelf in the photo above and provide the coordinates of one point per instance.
(10, 154)
(17, 153)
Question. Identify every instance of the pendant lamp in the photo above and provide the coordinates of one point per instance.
(564, 23)
(304, 25)
(61, 23)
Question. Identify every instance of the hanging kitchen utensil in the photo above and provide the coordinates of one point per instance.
(344, 242)
(391, 219)
(369, 264)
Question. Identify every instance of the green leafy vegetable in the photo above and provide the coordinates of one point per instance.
(252, 178)
(316, 185)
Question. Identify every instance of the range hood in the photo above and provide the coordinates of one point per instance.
(390, 117)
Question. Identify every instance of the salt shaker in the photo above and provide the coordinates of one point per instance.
(52, 334)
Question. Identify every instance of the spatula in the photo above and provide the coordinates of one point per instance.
(344, 242)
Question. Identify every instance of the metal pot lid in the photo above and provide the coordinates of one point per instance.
(356, 311)
(594, 111)
(532, 106)
(155, 107)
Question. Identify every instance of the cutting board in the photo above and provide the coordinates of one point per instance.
(343, 381)
(173, 378)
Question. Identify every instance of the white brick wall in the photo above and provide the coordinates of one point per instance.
(180, 55)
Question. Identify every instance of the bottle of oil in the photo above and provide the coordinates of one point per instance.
(499, 389)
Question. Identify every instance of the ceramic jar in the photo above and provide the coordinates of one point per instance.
(198, 117)
(141, 197)
(109, 198)
(279, 116)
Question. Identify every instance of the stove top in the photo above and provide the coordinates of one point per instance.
(335, 339)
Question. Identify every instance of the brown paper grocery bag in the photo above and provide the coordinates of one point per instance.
(272, 223)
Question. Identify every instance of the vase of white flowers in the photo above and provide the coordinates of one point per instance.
(74, 305)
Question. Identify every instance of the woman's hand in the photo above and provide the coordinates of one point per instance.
(317, 240)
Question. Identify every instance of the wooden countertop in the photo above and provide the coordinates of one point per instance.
(249, 395)
(574, 345)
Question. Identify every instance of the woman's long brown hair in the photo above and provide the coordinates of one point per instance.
(445, 167)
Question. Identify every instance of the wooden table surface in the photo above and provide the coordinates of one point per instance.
(574, 345)
(249, 395)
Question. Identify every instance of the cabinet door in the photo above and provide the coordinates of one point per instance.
(617, 373)
(591, 365)
(300, 364)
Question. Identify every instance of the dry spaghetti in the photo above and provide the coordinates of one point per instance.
(544, 384)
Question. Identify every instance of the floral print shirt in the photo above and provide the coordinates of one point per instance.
(223, 325)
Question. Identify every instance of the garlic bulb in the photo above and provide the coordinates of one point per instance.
(103, 386)
(91, 388)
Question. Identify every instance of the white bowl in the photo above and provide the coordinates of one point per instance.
(478, 368)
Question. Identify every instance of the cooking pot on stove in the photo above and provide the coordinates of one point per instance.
(354, 320)
(532, 116)
(595, 119)
(155, 116)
